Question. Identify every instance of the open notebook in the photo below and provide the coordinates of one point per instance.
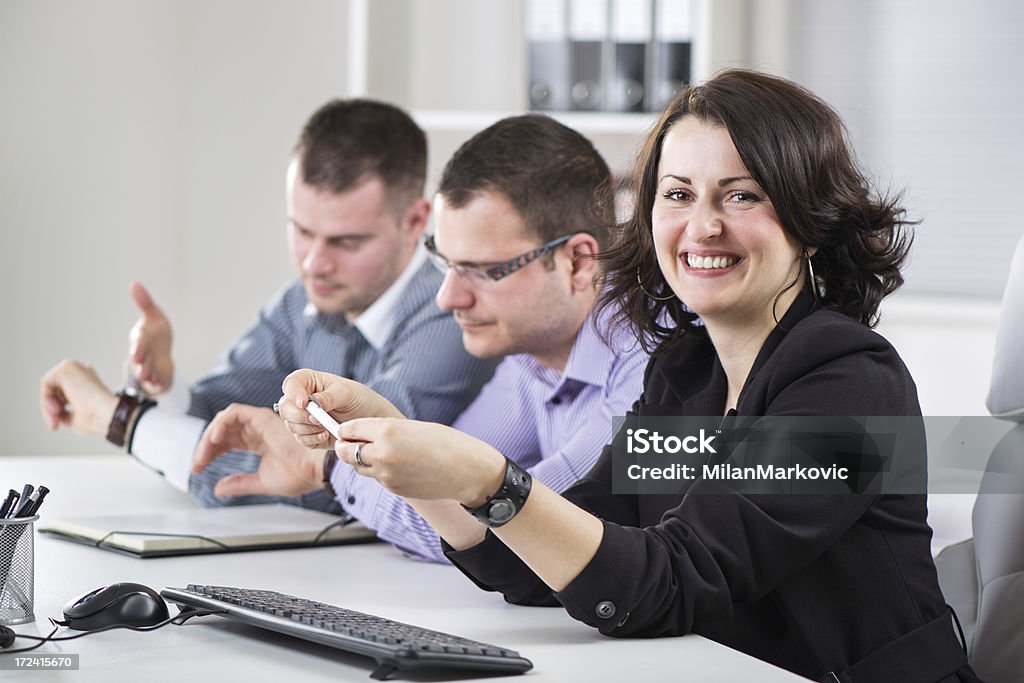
(210, 530)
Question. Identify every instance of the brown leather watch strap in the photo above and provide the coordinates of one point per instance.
(330, 460)
(127, 404)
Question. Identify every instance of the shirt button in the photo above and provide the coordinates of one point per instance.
(351, 500)
(605, 609)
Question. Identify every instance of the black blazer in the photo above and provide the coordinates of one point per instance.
(811, 583)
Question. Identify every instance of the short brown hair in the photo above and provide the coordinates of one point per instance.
(551, 174)
(347, 141)
(795, 147)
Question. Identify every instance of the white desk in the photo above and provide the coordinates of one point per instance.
(373, 578)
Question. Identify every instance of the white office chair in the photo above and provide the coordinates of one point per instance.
(983, 577)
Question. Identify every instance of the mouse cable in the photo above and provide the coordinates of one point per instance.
(178, 620)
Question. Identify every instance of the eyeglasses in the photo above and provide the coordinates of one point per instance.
(495, 272)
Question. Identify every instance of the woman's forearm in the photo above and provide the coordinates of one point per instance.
(553, 537)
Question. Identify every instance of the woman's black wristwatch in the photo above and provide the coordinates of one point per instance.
(508, 500)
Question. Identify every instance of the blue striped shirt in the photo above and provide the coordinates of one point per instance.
(421, 367)
(552, 423)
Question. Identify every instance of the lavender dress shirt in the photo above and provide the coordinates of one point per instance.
(552, 423)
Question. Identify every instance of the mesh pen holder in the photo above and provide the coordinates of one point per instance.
(17, 571)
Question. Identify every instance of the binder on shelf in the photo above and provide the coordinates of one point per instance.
(673, 38)
(548, 50)
(588, 34)
(631, 23)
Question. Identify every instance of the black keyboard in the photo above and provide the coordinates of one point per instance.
(394, 645)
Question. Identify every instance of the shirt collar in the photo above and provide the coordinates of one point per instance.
(590, 360)
(378, 320)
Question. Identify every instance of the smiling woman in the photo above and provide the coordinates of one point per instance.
(720, 245)
(750, 214)
(772, 157)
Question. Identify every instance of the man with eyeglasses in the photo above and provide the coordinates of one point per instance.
(522, 211)
(362, 308)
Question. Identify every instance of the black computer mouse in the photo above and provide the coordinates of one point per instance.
(128, 604)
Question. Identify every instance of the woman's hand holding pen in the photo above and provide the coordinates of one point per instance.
(431, 465)
(413, 459)
(343, 398)
(422, 460)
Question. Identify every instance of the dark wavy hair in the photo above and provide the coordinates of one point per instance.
(796, 148)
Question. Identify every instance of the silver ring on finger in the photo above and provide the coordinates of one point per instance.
(277, 408)
(359, 453)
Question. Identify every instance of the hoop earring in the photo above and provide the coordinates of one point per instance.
(656, 298)
(814, 280)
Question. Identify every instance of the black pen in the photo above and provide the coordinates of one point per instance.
(26, 491)
(23, 501)
(38, 500)
(12, 496)
(24, 505)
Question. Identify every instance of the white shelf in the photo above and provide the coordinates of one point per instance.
(461, 65)
(585, 122)
(942, 309)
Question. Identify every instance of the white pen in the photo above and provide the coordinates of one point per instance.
(322, 416)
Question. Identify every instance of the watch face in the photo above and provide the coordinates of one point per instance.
(501, 510)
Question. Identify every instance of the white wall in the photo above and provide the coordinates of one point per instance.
(145, 140)
(924, 87)
(948, 344)
(930, 90)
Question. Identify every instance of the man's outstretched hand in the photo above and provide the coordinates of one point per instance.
(149, 344)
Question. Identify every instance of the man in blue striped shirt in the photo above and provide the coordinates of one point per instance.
(362, 308)
(523, 209)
